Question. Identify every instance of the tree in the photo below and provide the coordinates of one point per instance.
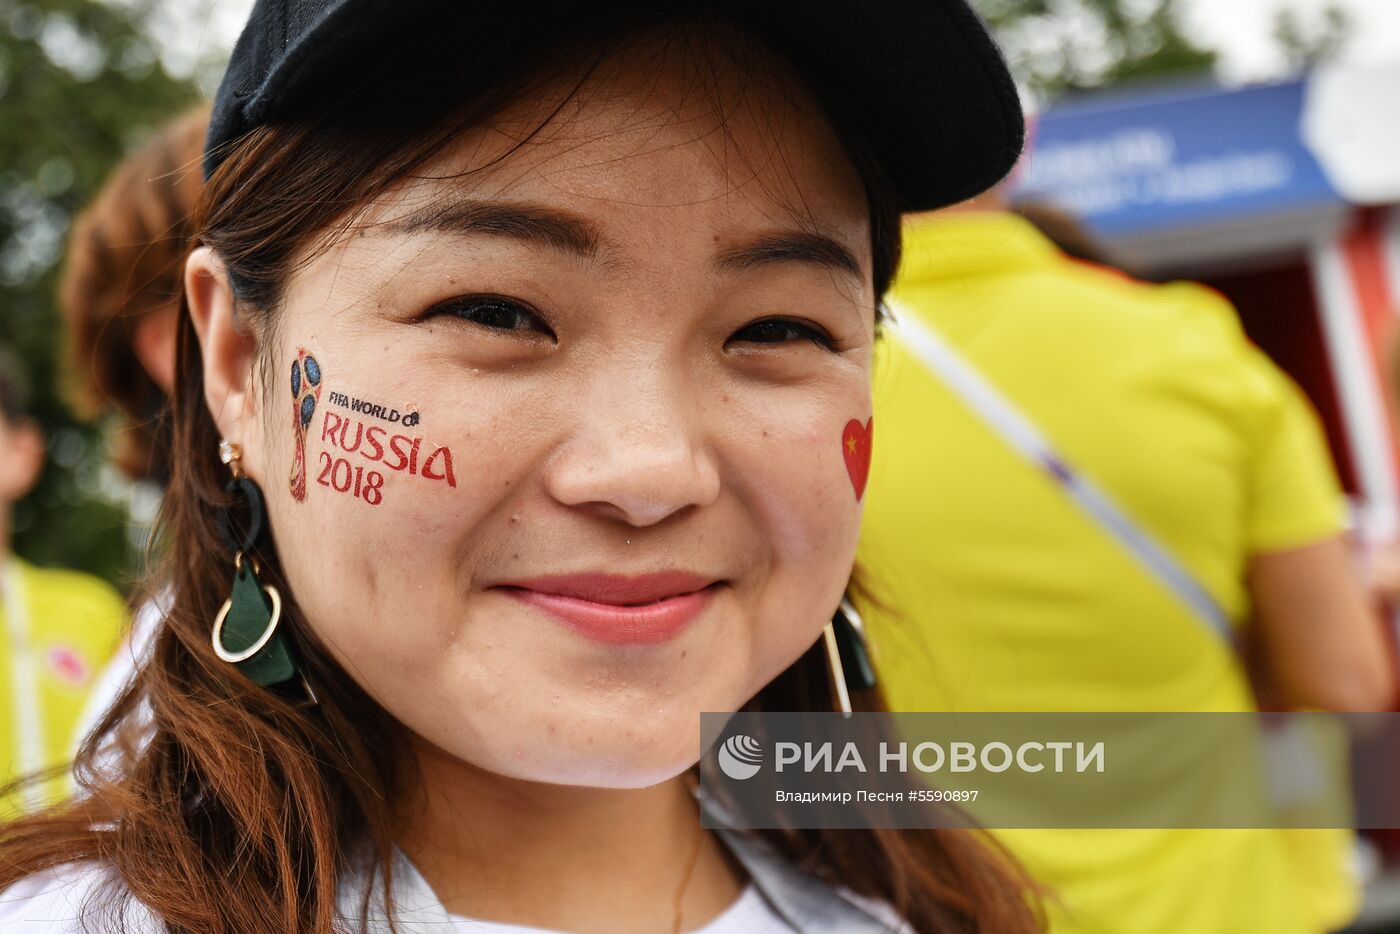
(1066, 45)
(1305, 44)
(80, 83)
(1059, 46)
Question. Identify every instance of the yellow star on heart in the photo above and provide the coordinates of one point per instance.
(851, 444)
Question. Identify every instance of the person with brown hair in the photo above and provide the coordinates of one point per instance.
(522, 414)
(120, 292)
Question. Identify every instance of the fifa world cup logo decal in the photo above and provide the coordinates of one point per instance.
(306, 389)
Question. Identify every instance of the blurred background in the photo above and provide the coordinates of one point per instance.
(1253, 145)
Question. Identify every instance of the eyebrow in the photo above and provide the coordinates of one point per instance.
(812, 249)
(569, 233)
(527, 223)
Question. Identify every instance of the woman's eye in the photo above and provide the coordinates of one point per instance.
(781, 331)
(498, 314)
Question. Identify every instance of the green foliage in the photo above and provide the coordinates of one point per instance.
(1059, 46)
(1056, 46)
(1306, 44)
(80, 83)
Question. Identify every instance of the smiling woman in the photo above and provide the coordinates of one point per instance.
(621, 269)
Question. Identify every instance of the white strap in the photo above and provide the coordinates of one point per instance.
(1002, 416)
(24, 684)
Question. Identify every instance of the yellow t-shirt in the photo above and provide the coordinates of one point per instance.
(60, 627)
(1003, 596)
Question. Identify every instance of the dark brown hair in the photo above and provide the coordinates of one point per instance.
(241, 812)
(125, 259)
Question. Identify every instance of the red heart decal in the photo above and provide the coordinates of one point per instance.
(855, 448)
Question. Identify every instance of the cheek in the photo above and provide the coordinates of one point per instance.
(800, 491)
(392, 496)
(800, 480)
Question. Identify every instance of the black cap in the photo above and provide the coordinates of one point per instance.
(921, 78)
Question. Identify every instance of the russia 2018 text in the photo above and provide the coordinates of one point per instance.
(395, 453)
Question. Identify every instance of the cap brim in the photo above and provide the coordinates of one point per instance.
(921, 78)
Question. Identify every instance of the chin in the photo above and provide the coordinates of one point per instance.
(591, 771)
(624, 760)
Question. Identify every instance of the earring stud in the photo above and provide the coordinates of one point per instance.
(231, 453)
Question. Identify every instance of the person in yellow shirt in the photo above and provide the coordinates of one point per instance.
(996, 591)
(60, 627)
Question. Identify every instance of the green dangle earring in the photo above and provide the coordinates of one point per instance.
(246, 633)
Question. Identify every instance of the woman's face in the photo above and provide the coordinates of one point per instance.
(559, 451)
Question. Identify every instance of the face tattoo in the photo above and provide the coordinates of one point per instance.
(306, 389)
(855, 448)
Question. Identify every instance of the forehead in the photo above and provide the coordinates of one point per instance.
(689, 130)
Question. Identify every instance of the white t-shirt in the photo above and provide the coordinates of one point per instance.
(55, 902)
(750, 914)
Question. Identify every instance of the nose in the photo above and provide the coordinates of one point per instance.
(638, 452)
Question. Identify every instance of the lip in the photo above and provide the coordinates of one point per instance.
(619, 609)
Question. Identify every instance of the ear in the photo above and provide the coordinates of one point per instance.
(228, 351)
(154, 344)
